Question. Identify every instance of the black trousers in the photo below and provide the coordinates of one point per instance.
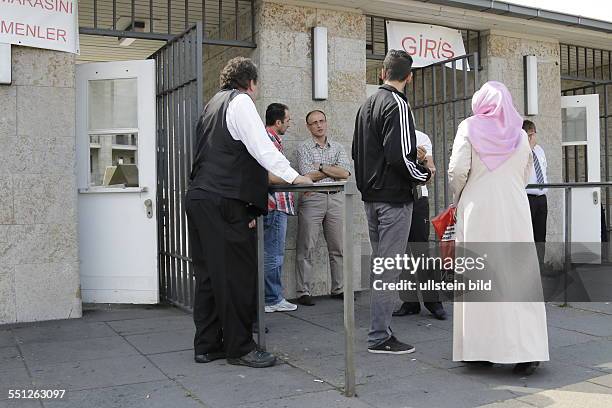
(539, 212)
(418, 245)
(224, 253)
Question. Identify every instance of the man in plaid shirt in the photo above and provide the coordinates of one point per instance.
(280, 205)
(321, 160)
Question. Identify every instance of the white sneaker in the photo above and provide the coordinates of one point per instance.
(282, 306)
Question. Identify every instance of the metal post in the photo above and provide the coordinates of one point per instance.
(261, 324)
(568, 240)
(349, 300)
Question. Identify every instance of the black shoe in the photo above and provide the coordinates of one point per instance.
(392, 346)
(255, 359)
(208, 357)
(436, 310)
(408, 308)
(526, 368)
(305, 300)
(479, 363)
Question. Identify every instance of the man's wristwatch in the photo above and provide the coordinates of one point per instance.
(321, 167)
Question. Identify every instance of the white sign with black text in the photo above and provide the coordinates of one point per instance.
(49, 24)
(426, 44)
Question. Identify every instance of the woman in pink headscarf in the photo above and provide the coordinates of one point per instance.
(488, 171)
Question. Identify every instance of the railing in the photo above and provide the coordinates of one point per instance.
(350, 191)
(567, 187)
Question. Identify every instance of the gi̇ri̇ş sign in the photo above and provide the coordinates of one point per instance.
(50, 24)
(426, 44)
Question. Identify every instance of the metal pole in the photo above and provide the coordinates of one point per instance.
(261, 324)
(568, 241)
(349, 300)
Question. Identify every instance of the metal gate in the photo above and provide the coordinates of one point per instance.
(589, 71)
(179, 103)
(440, 96)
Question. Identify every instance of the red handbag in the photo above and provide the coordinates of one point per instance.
(444, 224)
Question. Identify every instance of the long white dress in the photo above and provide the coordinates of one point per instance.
(492, 206)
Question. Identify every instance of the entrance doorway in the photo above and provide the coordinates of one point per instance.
(181, 40)
(588, 71)
(580, 130)
(116, 179)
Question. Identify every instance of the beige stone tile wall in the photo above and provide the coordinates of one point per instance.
(39, 270)
(504, 62)
(285, 62)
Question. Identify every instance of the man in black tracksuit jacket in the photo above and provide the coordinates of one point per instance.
(386, 170)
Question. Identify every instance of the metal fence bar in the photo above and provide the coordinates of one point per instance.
(434, 132)
(350, 190)
(444, 147)
(160, 185)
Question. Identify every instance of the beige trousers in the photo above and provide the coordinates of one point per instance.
(316, 209)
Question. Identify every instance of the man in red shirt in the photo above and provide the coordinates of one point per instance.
(280, 205)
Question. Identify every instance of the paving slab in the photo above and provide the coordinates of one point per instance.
(568, 399)
(368, 367)
(162, 342)
(152, 325)
(588, 387)
(20, 403)
(327, 399)
(550, 374)
(595, 324)
(436, 353)
(512, 403)
(605, 380)
(62, 331)
(79, 375)
(157, 394)
(76, 350)
(17, 378)
(6, 338)
(436, 388)
(558, 337)
(599, 307)
(10, 358)
(224, 388)
(109, 313)
(596, 354)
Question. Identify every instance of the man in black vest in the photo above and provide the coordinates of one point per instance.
(228, 190)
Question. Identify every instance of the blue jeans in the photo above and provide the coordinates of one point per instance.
(275, 230)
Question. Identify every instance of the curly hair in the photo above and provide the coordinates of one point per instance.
(238, 73)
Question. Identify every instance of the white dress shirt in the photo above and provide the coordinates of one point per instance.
(423, 140)
(245, 125)
(539, 152)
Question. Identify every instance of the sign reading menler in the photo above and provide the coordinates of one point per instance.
(50, 24)
(425, 43)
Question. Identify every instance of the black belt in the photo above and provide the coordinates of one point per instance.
(536, 195)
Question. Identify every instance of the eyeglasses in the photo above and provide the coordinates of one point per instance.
(316, 122)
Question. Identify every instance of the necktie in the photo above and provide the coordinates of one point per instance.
(538, 169)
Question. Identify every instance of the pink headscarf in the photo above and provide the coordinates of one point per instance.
(495, 129)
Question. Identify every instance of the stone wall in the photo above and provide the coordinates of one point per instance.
(285, 63)
(39, 270)
(504, 62)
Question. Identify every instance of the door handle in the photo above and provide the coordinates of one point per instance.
(149, 207)
(595, 197)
